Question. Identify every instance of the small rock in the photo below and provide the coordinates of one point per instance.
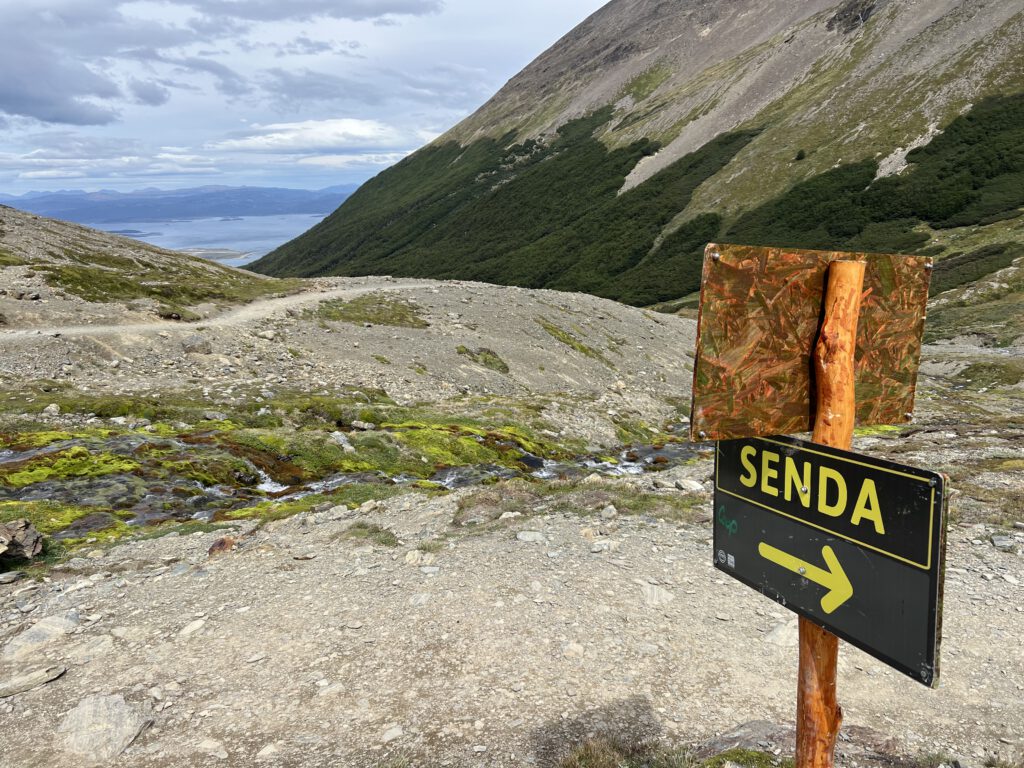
(430, 570)
(365, 426)
(192, 627)
(10, 577)
(689, 486)
(100, 728)
(395, 732)
(785, 634)
(213, 748)
(609, 512)
(531, 537)
(221, 545)
(196, 345)
(573, 651)
(51, 410)
(26, 681)
(39, 635)
(1011, 579)
(1019, 526)
(416, 557)
(269, 335)
(256, 657)
(656, 596)
(269, 752)
(1003, 543)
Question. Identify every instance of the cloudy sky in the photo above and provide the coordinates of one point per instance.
(303, 93)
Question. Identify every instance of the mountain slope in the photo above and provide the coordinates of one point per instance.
(54, 271)
(649, 129)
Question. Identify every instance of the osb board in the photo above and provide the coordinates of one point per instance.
(760, 313)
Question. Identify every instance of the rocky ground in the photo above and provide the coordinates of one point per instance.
(496, 625)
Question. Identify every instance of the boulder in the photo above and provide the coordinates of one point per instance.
(20, 540)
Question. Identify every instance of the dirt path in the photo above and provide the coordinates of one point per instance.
(257, 310)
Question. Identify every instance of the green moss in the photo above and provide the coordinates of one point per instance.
(989, 374)
(563, 336)
(647, 82)
(373, 308)
(74, 462)
(382, 360)
(48, 517)
(175, 286)
(349, 495)
(111, 534)
(26, 440)
(8, 259)
(184, 529)
(371, 532)
(485, 357)
(442, 448)
(877, 429)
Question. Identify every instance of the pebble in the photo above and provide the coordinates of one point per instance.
(689, 486)
(268, 752)
(213, 748)
(395, 732)
(192, 627)
(531, 537)
(655, 596)
(10, 577)
(609, 512)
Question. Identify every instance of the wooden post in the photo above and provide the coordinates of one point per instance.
(818, 715)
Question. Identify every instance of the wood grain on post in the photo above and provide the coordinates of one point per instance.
(818, 715)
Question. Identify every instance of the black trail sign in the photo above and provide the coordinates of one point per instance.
(855, 544)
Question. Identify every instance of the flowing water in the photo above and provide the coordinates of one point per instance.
(161, 488)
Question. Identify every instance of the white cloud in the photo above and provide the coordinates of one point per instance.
(316, 135)
(348, 162)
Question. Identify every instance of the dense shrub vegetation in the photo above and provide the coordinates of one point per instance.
(549, 214)
(972, 173)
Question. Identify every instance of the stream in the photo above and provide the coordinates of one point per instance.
(151, 493)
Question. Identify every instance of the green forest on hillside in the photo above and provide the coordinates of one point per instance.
(548, 215)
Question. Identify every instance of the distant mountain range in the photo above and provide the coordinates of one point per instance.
(655, 127)
(150, 205)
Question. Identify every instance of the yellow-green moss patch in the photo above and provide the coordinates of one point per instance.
(74, 462)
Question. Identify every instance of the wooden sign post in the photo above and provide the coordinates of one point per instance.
(818, 715)
(790, 341)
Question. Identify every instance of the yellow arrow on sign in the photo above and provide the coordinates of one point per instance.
(834, 579)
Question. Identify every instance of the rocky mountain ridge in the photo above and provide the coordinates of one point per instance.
(653, 128)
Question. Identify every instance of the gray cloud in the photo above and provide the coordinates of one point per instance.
(291, 89)
(60, 58)
(300, 10)
(43, 85)
(149, 92)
